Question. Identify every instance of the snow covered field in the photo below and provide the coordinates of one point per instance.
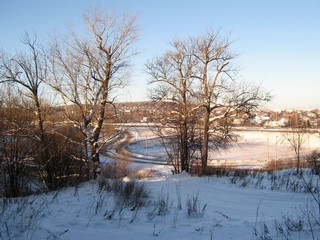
(221, 208)
(256, 206)
(254, 149)
(257, 148)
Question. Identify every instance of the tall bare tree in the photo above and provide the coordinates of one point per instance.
(87, 68)
(28, 72)
(171, 74)
(201, 68)
(220, 94)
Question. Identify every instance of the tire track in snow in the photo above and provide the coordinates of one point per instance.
(119, 152)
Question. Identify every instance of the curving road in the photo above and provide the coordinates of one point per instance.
(119, 151)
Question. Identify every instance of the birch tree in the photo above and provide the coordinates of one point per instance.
(88, 67)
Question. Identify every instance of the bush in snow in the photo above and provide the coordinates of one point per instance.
(14, 166)
(115, 170)
(161, 206)
(193, 206)
(130, 194)
(21, 217)
(314, 161)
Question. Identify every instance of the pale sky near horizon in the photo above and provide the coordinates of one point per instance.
(278, 41)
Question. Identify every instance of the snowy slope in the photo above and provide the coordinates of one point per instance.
(257, 206)
(232, 210)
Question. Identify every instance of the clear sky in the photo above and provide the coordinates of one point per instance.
(278, 41)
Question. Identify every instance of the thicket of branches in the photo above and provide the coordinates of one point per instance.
(198, 77)
(54, 103)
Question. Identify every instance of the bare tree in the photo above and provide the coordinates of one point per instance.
(27, 73)
(296, 137)
(88, 67)
(172, 74)
(219, 94)
(200, 68)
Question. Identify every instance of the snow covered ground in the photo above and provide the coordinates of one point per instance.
(254, 148)
(257, 206)
(221, 208)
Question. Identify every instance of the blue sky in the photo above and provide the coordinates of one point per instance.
(278, 41)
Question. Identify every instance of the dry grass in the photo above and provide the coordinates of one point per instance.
(282, 164)
(143, 173)
(115, 170)
(121, 169)
(270, 166)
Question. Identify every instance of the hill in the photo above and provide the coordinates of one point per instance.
(237, 206)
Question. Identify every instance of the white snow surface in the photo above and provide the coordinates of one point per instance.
(253, 149)
(234, 207)
(233, 211)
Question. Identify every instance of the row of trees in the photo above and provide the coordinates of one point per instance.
(78, 71)
(198, 76)
(81, 71)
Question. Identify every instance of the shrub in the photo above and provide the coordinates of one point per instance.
(193, 206)
(161, 206)
(15, 161)
(66, 164)
(129, 194)
(143, 173)
(22, 162)
(21, 217)
(313, 160)
(115, 170)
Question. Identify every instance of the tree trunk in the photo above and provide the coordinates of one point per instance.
(44, 152)
(94, 145)
(184, 148)
(102, 109)
(298, 162)
(95, 158)
(205, 144)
